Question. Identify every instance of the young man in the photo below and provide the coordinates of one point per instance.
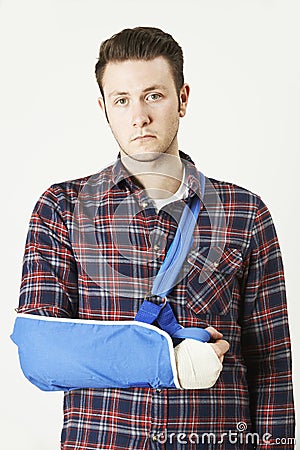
(96, 244)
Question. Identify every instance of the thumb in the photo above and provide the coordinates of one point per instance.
(215, 334)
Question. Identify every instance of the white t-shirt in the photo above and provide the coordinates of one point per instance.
(179, 194)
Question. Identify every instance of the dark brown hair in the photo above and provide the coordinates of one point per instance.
(144, 43)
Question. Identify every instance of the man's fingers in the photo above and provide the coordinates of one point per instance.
(220, 347)
(215, 334)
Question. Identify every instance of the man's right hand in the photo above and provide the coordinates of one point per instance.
(220, 346)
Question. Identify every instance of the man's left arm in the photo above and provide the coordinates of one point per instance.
(265, 338)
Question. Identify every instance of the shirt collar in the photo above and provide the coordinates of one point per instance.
(120, 175)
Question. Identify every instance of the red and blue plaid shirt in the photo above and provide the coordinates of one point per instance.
(93, 249)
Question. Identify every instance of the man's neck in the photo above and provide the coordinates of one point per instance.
(160, 177)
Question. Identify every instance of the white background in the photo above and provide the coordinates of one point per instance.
(242, 63)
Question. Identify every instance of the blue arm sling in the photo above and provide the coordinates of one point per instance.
(65, 354)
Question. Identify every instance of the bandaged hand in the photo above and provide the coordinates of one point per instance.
(198, 366)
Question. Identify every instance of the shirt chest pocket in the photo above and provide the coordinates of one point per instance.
(211, 279)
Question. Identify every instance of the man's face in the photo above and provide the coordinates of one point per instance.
(142, 108)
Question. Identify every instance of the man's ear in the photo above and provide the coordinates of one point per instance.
(183, 97)
(101, 103)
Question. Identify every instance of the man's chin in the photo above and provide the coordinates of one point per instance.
(146, 156)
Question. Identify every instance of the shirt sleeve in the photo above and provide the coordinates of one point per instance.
(265, 338)
(49, 275)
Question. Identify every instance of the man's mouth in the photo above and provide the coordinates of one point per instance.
(144, 138)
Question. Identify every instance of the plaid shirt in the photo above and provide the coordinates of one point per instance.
(93, 248)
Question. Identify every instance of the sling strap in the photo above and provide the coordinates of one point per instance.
(165, 279)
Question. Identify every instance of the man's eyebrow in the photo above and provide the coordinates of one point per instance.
(116, 93)
(155, 87)
(148, 89)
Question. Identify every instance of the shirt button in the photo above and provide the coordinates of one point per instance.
(158, 390)
(144, 204)
(156, 247)
(216, 264)
(154, 438)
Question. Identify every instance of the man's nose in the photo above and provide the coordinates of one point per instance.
(140, 115)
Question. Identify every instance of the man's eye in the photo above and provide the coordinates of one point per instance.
(121, 101)
(154, 97)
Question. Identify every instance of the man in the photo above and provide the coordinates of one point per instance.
(96, 244)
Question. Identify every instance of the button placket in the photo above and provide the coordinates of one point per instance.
(158, 417)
